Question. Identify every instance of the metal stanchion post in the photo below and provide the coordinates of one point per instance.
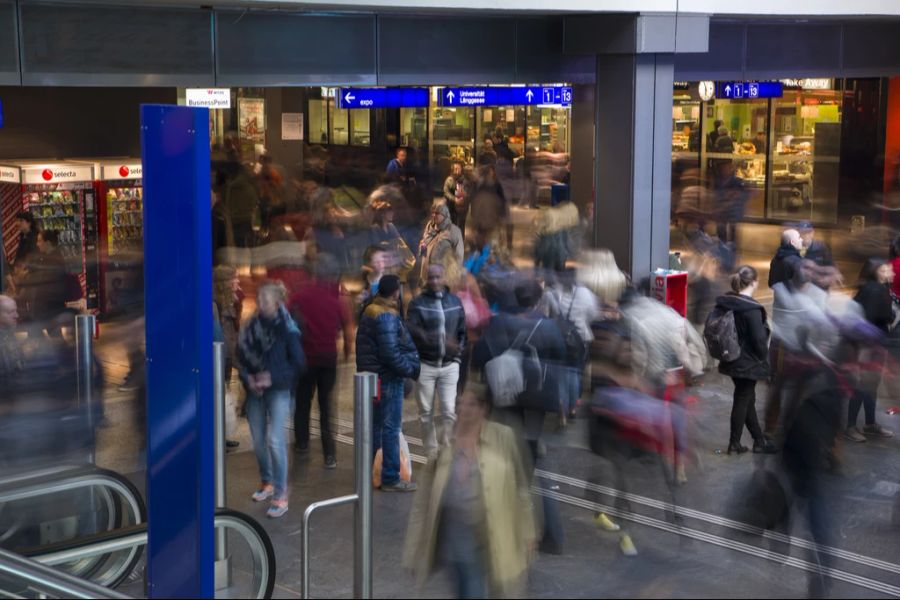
(223, 560)
(365, 389)
(84, 359)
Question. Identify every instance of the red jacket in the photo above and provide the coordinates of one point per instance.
(321, 313)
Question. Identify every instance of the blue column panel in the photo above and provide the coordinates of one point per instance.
(178, 284)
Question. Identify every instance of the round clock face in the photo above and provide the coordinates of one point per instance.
(707, 90)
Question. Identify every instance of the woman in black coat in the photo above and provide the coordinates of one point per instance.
(753, 363)
(874, 296)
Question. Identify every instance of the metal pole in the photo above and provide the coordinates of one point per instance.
(304, 537)
(84, 360)
(223, 561)
(365, 389)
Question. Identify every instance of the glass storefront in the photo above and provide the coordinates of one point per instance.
(782, 153)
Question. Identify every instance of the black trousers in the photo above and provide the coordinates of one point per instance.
(321, 379)
(743, 411)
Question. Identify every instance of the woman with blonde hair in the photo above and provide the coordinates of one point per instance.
(270, 358)
(602, 276)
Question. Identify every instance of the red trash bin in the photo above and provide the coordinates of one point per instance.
(671, 288)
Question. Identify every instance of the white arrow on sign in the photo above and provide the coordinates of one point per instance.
(529, 94)
(349, 97)
(450, 96)
(727, 90)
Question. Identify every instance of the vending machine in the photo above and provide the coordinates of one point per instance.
(121, 233)
(61, 197)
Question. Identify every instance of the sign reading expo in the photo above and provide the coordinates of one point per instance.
(384, 97)
(208, 97)
(506, 96)
(740, 90)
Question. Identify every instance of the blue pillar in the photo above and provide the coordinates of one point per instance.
(178, 284)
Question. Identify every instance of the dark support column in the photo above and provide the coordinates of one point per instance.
(582, 155)
(633, 159)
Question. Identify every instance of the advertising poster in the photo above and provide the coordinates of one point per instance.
(251, 124)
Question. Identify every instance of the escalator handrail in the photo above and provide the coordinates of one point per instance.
(51, 581)
(136, 535)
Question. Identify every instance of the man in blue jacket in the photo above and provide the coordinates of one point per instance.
(384, 346)
(437, 323)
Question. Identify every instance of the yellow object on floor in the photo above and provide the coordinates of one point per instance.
(627, 546)
(604, 522)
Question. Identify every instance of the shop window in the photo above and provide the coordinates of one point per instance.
(414, 127)
(505, 121)
(340, 124)
(548, 129)
(734, 149)
(360, 127)
(452, 137)
(806, 154)
(318, 121)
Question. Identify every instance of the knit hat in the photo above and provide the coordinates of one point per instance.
(388, 285)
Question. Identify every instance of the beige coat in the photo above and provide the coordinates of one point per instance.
(509, 516)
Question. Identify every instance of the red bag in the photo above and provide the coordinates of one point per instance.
(478, 313)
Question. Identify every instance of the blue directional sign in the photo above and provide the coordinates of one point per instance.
(506, 96)
(1, 114)
(740, 90)
(384, 97)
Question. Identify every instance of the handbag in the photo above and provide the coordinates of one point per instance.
(478, 313)
(506, 372)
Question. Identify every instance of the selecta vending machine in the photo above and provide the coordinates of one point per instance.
(121, 233)
(61, 197)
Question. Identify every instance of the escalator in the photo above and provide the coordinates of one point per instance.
(90, 523)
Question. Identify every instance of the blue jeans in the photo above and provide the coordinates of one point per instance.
(571, 387)
(388, 417)
(268, 416)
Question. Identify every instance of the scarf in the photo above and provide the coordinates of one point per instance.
(433, 230)
(259, 335)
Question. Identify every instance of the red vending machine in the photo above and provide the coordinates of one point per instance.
(671, 288)
(61, 197)
(121, 232)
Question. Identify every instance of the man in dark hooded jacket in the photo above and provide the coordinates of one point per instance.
(787, 258)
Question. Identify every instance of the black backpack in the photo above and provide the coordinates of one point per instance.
(576, 347)
(721, 335)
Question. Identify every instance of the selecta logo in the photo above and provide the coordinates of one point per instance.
(123, 171)
(47, 174)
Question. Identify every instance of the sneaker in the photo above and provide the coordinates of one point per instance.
(854, 435)
(627, 546)
(264, 492)
(877, 430)
(680, 475)
(399, 486)
(734, 448)
(330, 462)
(277, 509)
(232, 443)
(605, 523)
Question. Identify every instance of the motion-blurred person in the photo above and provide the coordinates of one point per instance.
(437, 323)
(456, 195)
(46, 287)
(474, 514)
(731, 200)
(227, 298)
(10, 348)
(787, 257)
(813, 249)
(374, 268)
(874, 296)
(713, 135)
(270, 357)
(576, 307)
(384, 234)
(752, 364)
(489, 209)
(327, 237)
(241, 200)
(384, 346)
(323, 314)
(487, 155)
(554, 229)
(478, 315)
(540, 339)
(28, 232)
(895, 263)
(442, 243)
(271, 191)
(798, 306)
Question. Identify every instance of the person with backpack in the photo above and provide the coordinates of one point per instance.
(738, 335)
(574, 307)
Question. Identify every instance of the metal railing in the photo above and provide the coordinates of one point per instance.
(365, 389)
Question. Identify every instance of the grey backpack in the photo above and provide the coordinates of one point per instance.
(721, 335)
